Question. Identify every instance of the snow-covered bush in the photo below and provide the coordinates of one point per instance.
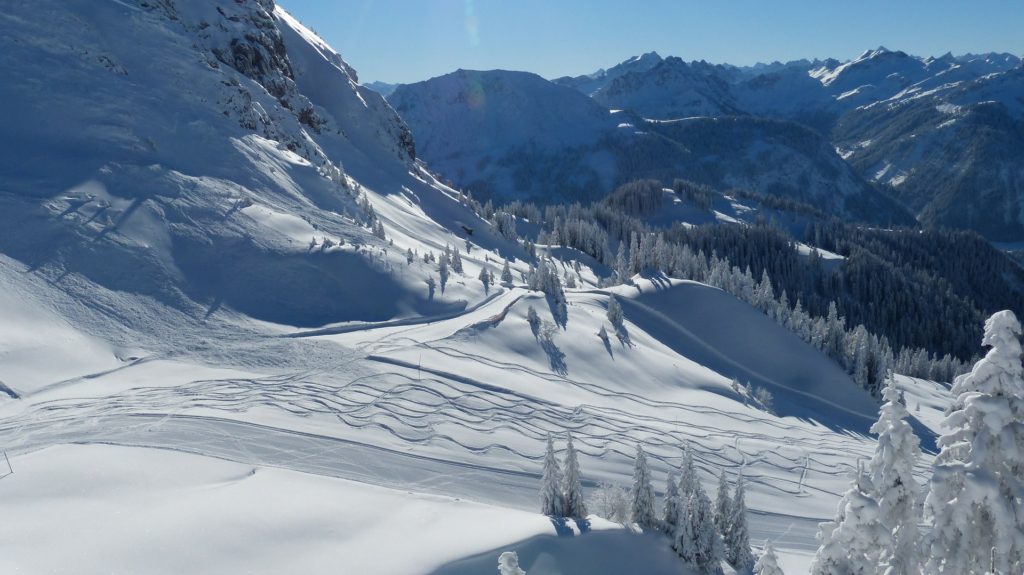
(611, 502)
(765, 399)
(768, 563)
(508, 564)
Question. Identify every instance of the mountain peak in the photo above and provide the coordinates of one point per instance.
(869, 54)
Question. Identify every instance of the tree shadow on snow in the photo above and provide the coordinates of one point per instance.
(601, 551)
(608, 346)
(556, 357)
(561, 525)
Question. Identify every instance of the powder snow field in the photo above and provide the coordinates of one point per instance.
(189, 384)
(131, 510)
(430, 411)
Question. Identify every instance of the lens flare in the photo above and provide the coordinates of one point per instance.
(475, 95)
(472, 25)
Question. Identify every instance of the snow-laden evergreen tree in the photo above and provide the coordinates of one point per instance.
(687, 474)
(896, 490)
(570, 280)
(431, 286)
(851, 543)
(642, 493)
(485, 278)
(723, 504)
(552, 500)
(977, 489)
(764, 295)
(457, 261)
(506, 273)
(508, 564)
(573, 487)
(409, 257)
(443, 272)
(707, 552)
(622, 263)
(614, 312)
(736, 533)
(684, 542)
(768, 563)
(670, 518)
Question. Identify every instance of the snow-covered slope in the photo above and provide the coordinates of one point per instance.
(203, 147)
(941, 131)
(511, 135)
(777, 158)
(949, 152)
(461, 408)
(591, 83)
(670, 89)
(197, 374)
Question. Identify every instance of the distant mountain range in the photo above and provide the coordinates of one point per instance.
(943, 137)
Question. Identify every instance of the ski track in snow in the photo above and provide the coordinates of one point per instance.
(371, 417)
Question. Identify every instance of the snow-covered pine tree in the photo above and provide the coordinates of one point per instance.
(506, 273)
(768, 563)
(614, 313)
(723, 505)
(642, 494)
(552, 500)
(736, 534)
(443, 273)
(851, 543)
(977, 485)
(687, 474)
(707, 544)
(683, 538)
(622, 263)
(634, 253)
(457, 261)
(485, 278)
(431, 286)
(896, 490)
(573, 488)
(671, 516)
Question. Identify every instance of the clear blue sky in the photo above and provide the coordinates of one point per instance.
(411, 40)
